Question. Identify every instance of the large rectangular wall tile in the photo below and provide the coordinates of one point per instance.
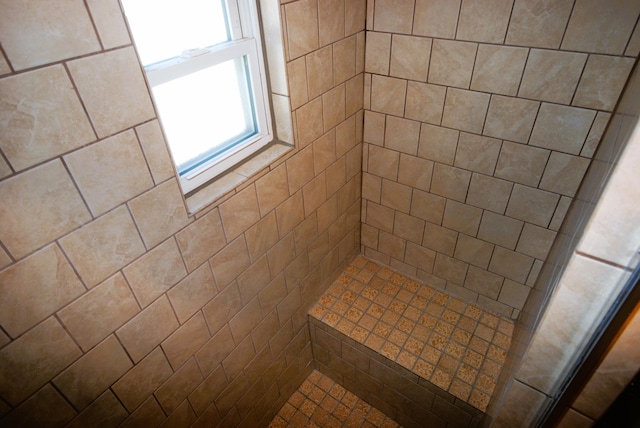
(394, 16)
(179, 385)
(44, 407)
(103, 246)
(498, 69)
(484, 20)
(34, 288)
(465, 110)
(511, 118)
(201, 239)
(562, 128)
(597, 92)
(109, 23)
(529, 27)
(302, 20)
(452, 63)
(105, 410)
(192, 293)
(156, 151)
(41, 205)
(186, 340)
(45, 114)
(437, 18)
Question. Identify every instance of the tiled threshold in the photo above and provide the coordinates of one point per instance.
(374, 323)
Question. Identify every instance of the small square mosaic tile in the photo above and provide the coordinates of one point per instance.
(320, 402)
(457, 346)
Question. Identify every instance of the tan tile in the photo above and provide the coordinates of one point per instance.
(103, 246)
(192, 293)
(393, 16)
(521, 163)
(119, 158)
(538, 23)
(402, 135)
(589, 19)
(440, 239)
(215, 350)
(155, 151)
(314, 194)
(290, 214)
(532, 205)
(331, 21)
(513, 294)
(438, 144)
(113, 90)
(500, 230)
(34, 288)
(159, 213)
(462, 218)
(222, 308)
(484, 20)
(302, 27)
(348, 134)
(564, 173)
(383, 162)
(43, 117)
(324, 151)
(450, 182)
(465, 110)
(254, 279)
(596, 92)
(562, 128)
(44, 205)
(388, 95)
(5, 169)
(147, 329)
(148, 414)
(333, 107)
(92, 374)
(595, 134)
(34, 35)
(483, 282)
(336, 177)
(271, 295)
(186, 340)
(109, 21)
(106, 409)
(410, 57)
(182, 416)
(319, 71)
(344, 59)
(498, 69)
(34, 358)
(450, 269)
(201, 239)
(238, 358)
(436, 18)
(452, 63)
(427, 206)
(45, 405)
(425, 102)
(297, 79)
(535, 241)
(551, 75)
(477, 153)
(415, 172)
(240, 212)
(510, 264)
(178, 386)
(396, 196)
(245, 320)
(511, 118)
(309, 121)
(300, 169)
(378, 53)
(473, 251)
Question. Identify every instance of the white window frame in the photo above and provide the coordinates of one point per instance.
(245, 42)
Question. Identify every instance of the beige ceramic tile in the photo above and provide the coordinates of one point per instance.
(521, 164)
(43, 117)
(5, 169)
(378, 53)
(602, 82)
(393, 16)
(331, 21)
(564, 173)
(436, 18)
(47, 404)
(314, 194)
(159, 213)
(355, 15)
(290, 213)
(408, 227)
(109, 23)
(535, 241)
(425, 102)
(498, 69)
(216, 350)
(595, 134)
(103, 246)
(402, 135)
(40, 205)
(473, 251)
(47, 347)
(186, 340)
(415, 172)
(410, 57)
(302, 27)
(484, 20)
(438, 144)
(34, 34)
(201, 239)
(427, 206)
(450, 269)
(513, 294)
(148, 414)
(262, 236)
(551, 75)
(379, 217)
(539, 23)
(484, 283)
(452, 63)
(383, 162)
(465, 110)
(192, 293)
(388, 95)
(5, 260)
(562, 128)
(500, 230)
(147, 329)
(344, 59)
(34, 288)
(510, 264)
(114, 303)
(511, 118)
(92, 374)
(297, 80)
(113, 90)
(319, 65)
(354, 95)
(272, 190)
(105, 409)
(450, 182)
(155, 151)
(300, 169)
(110, 172)
(309, 121)
(532, 205)
(462, 218)
(590, 19)
(178, 386)
(324, 151)
(489, 193)
(230, 262)
(396, 196)
(477, 153)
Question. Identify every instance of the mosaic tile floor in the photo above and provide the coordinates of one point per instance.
(457, 346)
(320, 402)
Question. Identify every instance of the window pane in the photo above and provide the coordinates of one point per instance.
(163, 29)
(206, 112)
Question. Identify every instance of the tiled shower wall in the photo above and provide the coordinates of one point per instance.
(481, 119)
(115, 304)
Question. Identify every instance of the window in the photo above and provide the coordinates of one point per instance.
(203, 61)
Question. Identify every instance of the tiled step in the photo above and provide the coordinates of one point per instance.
(415, 352)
